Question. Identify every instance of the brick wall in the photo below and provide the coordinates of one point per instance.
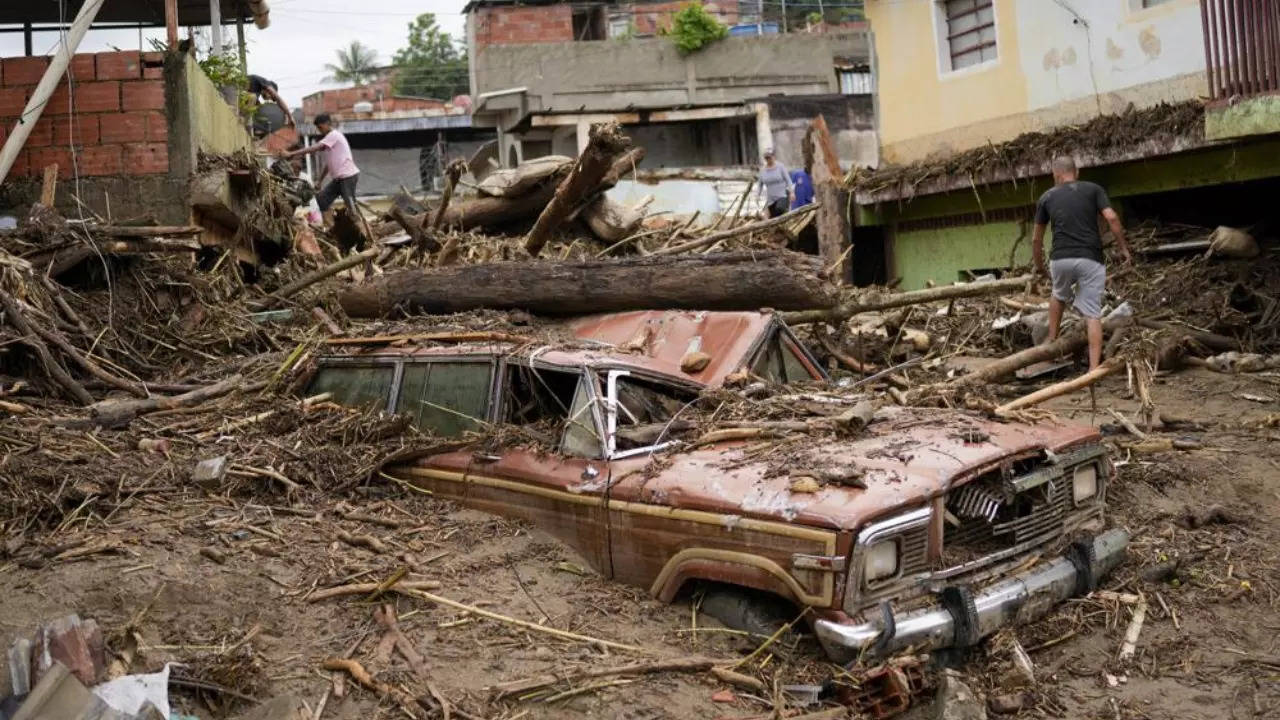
(517, 25)
(339, 102)
(115, 118)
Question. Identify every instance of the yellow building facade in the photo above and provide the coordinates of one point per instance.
(956, 74)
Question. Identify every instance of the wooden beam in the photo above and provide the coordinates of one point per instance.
(171, 23)
(49, 185)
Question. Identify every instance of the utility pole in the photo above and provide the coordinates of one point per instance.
(215, 27)
(784, 16)
(759, 17)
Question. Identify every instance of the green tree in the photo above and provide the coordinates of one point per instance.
(430, 65)
(357, 64)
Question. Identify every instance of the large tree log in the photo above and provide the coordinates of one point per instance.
(718, 281)
(495, 212)
(854, 305)
(606, 143)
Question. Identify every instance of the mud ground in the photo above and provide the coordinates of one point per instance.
(1208, 649)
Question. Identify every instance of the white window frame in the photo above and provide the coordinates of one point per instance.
(943, 46)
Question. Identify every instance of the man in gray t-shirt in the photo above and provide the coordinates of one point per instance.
(1076, 263)
(775, 186)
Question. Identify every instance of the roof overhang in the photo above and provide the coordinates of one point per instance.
(132, 13)
(460, 121)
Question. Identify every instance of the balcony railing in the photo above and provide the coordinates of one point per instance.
(1241, 46)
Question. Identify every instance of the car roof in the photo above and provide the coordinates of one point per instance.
(651, 341)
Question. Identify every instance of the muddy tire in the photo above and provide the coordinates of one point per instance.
(751, 611)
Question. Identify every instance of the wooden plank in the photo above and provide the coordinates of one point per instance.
(49, 185)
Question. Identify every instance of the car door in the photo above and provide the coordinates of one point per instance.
(561, 492)
(445, 396)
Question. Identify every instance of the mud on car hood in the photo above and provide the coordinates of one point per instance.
(905, 457)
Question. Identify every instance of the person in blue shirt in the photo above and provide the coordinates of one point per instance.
(803, 189)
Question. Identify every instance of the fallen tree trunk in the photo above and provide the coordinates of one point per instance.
(114, 413)
(853, 305)
(997, 370)
(1060, 388)
(495, 212)
(1210, 340)
(720, 281)
(713, 238)
(596, 160)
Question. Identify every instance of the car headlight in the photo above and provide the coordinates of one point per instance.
(881, 561)
(1084, 482)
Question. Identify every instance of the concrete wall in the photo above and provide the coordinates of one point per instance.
(941, 255)
(1056, 64)
(651, 73)
(683, 197)
(850, 120)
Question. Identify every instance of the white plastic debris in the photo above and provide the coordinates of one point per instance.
(1123, 310)
(130, 693)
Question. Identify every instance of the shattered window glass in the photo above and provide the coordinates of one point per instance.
(447, 398)
(355, 386)
(581, 437)
(646, 411)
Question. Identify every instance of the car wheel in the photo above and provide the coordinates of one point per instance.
(747, 610)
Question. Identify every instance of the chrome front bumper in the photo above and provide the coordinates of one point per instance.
(963, 618)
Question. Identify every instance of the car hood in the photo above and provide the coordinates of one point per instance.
(904, 457)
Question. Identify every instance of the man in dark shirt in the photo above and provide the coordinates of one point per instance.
(259, 88)
(1073, 206)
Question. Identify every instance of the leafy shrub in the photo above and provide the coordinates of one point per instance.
(693, 28)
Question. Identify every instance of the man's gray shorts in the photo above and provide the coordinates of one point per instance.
(1089, 278)
(344, 187)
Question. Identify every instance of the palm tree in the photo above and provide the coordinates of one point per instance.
(357, 64)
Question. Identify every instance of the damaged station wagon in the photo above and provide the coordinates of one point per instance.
(957, 525)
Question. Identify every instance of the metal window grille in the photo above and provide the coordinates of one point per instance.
(855, 82)
(971, 32)
(1241, 46)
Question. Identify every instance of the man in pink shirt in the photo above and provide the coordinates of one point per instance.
(338, 163)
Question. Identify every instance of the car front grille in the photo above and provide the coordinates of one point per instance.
(989, 520)
(996, 517)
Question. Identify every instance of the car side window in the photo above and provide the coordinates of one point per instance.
(646, 413)
(446, 397)
(779, 362)
(554, 406)
(355, 386)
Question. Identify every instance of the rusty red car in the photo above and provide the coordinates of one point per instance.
(958, 525)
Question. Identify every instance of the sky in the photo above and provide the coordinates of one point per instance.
(303, 36)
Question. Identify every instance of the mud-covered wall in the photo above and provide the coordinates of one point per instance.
(1055, 64)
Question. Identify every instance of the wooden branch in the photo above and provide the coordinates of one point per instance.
(423, 241)
(366, 588)
(844, 358)
(854, 306)
(89, 366)
(32, 339)
(458, 337)
(521, 623)
(315, 276)
(452, 174)
(713, 238)
(604, 145)
(624, 164)
(143, 231)
(683, 664)
(362, 676)
(1060, 388)
(114, 413)
(1064, 345)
